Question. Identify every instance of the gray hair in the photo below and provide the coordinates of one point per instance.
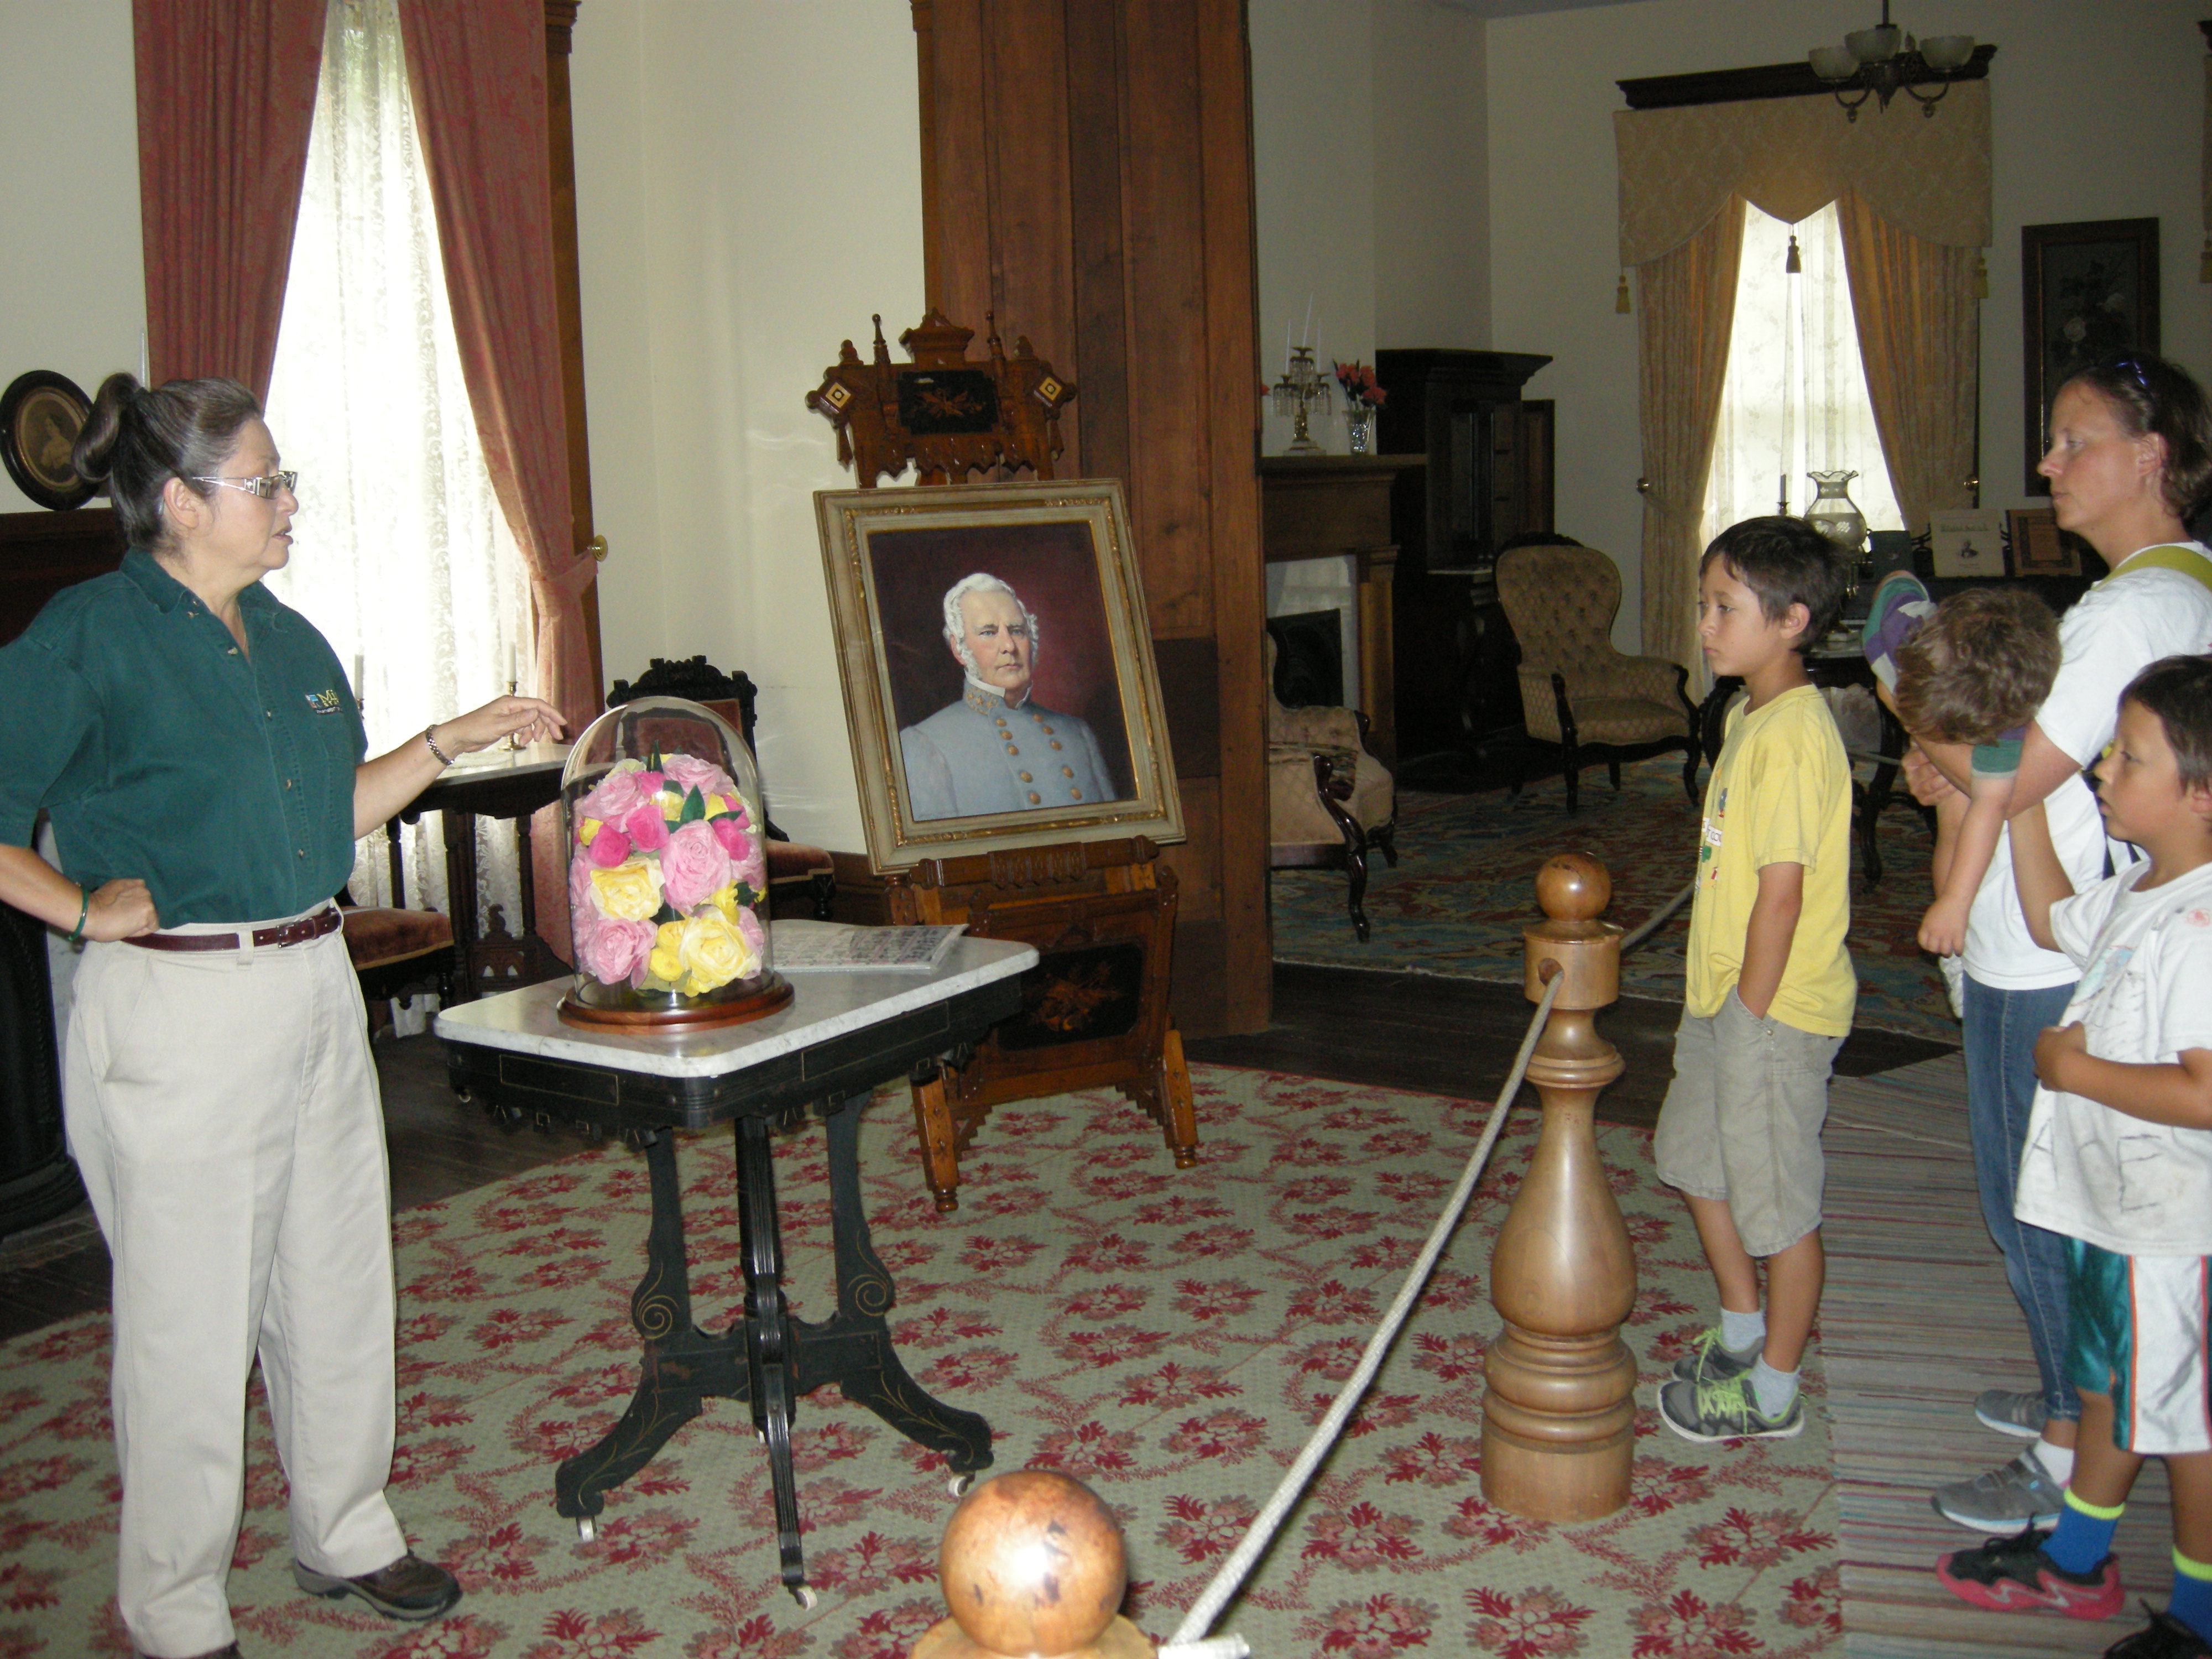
(956, 625)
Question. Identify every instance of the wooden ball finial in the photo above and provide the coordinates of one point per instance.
(1032, 1564)
(1573, 887)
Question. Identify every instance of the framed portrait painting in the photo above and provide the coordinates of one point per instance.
(997, 663)
(2087, 291)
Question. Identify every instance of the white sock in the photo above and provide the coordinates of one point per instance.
(2059, 1461)
(1740, 1331)
(1775, 1389)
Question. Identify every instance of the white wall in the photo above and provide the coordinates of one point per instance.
(72, 284)
(2097, 113)
(1432, 177)
(748, 192)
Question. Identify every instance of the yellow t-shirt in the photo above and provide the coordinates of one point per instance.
(1780, 793)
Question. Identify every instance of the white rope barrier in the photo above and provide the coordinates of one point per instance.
(1190, 1640)
(1651, 922)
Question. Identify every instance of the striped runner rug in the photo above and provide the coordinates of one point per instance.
(1918, 1319)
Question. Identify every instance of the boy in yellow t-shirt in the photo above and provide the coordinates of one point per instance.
(1770, 988)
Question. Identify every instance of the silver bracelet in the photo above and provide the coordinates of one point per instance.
(444, 759)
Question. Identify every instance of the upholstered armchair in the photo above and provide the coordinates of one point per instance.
(1328, 798)
(1576, 690)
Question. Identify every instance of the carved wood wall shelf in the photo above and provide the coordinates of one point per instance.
(940, 412)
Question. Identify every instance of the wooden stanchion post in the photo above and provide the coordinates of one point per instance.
(1558, 1421)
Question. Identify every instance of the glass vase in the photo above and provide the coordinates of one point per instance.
(1359, 417)
(667, 871)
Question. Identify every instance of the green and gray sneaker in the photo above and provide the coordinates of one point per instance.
(1710, 1361)
(1726, 1410)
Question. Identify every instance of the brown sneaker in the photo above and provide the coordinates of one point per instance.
(409, 1588)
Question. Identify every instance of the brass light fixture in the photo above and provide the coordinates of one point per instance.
(1881, 62)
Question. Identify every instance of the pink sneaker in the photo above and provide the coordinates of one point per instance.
(2015, 1574)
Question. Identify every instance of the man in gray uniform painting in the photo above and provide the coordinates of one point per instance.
(995, 750)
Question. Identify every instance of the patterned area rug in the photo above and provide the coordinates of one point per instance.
(1168, 1338)
(1465, 887)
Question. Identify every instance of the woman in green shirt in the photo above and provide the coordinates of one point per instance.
(200, 755)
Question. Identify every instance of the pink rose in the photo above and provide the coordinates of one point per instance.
(689, 772)
(648, 830)
(750, 867)
(731, 832)
(583, 914)
(617, 950)
(649, 784)
(609, 848)
(615, 794)
(755, 935)
(692, 866)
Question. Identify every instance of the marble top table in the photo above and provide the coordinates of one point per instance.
(841, 1036)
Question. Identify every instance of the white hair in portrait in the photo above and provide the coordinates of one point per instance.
(956, 625)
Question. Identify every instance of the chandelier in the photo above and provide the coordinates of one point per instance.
(1881, 62)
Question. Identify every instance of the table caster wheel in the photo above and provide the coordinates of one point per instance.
(959, 1484)
(587, 1529)
(804, 1595)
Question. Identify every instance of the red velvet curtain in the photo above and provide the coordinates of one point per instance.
(226, 102)
(477, 72)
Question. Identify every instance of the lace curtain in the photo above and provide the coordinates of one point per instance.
(402, 556)
(1795, 396)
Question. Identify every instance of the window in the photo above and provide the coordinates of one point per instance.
(404, 558)
(1795, 399)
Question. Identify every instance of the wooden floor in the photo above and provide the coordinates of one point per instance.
(1453, 1037)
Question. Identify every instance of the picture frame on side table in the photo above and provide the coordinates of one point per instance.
(2087, 290)
(2038, 547)
(1966, 543)
(41, 413)
(1052, 729)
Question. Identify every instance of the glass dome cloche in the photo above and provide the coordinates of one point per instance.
(667, 871)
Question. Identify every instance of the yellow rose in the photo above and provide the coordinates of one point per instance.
(587, 829)
(629, 892)
(667, 962)
(725, 899)
(716, 952)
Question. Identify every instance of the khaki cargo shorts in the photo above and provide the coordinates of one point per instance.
(1742, 1121)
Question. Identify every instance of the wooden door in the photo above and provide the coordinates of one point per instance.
(1087, 177)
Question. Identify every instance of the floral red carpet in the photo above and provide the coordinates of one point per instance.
(1167, 1337)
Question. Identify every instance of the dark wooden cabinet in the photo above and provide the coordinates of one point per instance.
(1487, 485)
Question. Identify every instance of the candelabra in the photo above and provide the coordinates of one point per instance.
(1300, 389)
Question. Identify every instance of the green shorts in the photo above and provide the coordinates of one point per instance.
(1741, 1122)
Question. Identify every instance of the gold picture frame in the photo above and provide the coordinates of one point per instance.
(1017, 770)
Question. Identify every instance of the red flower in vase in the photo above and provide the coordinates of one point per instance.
(1359, 384)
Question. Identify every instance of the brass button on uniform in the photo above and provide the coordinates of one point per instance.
(1055, 743)
(1046, 730)
(1026, 778)
(1075, 794)
(1067, 771)
(1033, 797)
(1011, 750)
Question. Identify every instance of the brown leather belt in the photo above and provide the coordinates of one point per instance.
(324, 921)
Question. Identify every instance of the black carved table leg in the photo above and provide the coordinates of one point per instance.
(682, 1365)
(770, 1359)
(853, 1348)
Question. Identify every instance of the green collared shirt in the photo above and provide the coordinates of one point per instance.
(221, 778)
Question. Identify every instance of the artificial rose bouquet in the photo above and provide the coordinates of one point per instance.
(667, 871)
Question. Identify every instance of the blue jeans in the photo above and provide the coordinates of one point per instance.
(2000, 1028)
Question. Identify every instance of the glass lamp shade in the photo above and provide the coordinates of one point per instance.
(1875, 46)
(1833, 63)
(1834, 514)
(1946, 52)
(667, 871)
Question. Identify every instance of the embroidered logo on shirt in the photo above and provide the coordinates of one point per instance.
(2198, 918)
(323, 703)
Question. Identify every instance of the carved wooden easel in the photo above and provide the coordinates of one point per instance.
(1094, 1011)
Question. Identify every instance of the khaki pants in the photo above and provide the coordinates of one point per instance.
(223, 1109)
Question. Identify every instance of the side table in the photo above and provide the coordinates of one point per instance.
(843, 1034)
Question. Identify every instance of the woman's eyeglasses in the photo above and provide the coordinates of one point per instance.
(265, 486)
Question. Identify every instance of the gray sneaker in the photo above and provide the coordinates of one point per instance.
(1707, 1361)
(2020, 1415)
(2005, 1500)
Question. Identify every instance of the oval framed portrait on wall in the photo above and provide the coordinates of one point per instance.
(41, 415)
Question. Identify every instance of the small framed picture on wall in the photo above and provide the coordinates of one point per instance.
(2038, 549)
(1966, 544)
(2087, 291)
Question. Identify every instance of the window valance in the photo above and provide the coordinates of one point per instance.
(1928, 177)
